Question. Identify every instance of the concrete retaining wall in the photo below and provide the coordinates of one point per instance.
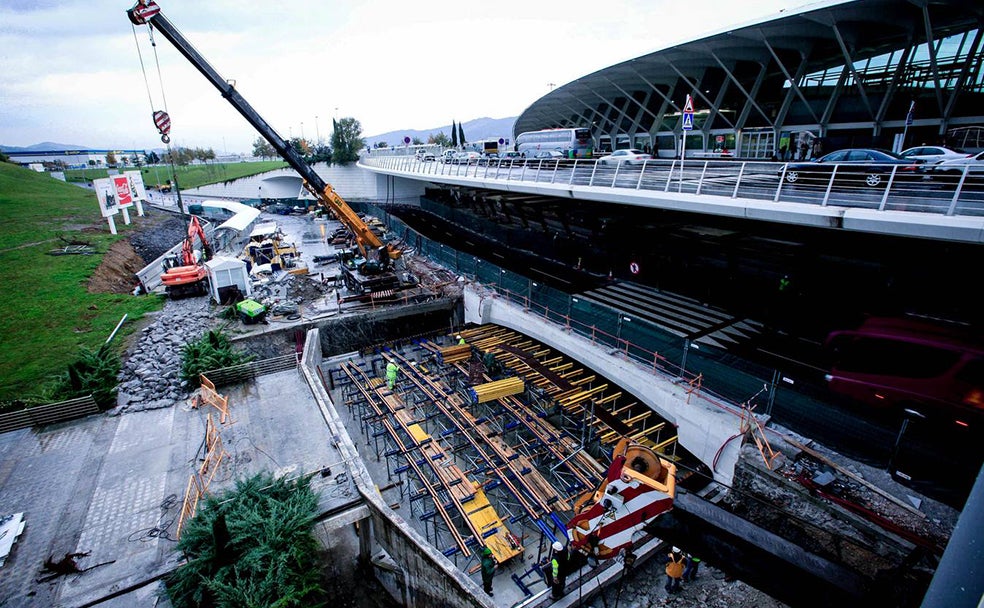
(413, 571)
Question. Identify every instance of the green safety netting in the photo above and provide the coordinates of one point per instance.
(651, 345)
(724, 376)
(594, 321)
(552, 303)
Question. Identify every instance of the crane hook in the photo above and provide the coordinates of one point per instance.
(163, 123)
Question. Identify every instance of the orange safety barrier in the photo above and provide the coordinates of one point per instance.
(209, 396)
(751, 426)
(200, 479)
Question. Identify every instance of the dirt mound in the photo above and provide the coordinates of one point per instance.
(116, 273)
(153, 234)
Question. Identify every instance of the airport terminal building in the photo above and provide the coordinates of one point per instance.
(833, 74)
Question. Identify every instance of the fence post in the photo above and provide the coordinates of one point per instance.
(683, 362)
(776, 374)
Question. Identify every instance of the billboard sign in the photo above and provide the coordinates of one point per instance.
(124, 196)
(106, 194)
(137, 188)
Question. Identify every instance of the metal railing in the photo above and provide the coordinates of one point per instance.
(956, 192)
(48, 413)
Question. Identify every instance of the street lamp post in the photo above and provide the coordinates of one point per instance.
(317, 130)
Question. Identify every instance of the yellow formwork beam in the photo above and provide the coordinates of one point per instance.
(454, 354)
(574, 399)
(480, 393)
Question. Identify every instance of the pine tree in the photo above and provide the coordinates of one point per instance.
(461, 134)
(454, 136)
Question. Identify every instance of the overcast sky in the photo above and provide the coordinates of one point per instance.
(70, 70)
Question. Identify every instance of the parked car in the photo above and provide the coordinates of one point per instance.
(868, 166)
(933, 154)
(448, 156)
(509, 157)
(425, 156)
(548, 155)
(629, 156)
(469, 157)
(953, 169)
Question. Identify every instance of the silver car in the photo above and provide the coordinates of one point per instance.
(973, 165)
(933, 154)
(629, 156)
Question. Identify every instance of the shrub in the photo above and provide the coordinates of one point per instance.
(251, 546)
(212, 351)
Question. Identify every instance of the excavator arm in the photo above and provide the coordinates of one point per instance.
(147, 12)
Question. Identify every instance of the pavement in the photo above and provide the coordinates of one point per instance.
(112, 487)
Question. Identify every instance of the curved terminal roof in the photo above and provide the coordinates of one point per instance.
(747, 69)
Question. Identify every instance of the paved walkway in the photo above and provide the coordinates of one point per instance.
(113, 487)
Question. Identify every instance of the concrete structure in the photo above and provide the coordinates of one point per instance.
(351, 182)
(829, 75)
(74, 159)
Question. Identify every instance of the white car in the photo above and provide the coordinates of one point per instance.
(933, 154)
(469, 157)
(974, 165)
(425, 156)
(629, 156)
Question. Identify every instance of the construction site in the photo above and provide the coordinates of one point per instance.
(485, 442)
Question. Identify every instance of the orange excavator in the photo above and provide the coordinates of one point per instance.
(185, 275)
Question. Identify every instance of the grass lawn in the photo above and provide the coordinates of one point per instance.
(49, 314)
(189, 176)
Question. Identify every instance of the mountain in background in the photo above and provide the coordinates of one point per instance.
(475, 130)
(45, 146)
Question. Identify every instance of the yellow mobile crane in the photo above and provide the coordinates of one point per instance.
(372, 273)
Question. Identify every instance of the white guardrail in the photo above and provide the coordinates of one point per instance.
(874, 187)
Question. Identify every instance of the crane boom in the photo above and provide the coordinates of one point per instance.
(147, 12)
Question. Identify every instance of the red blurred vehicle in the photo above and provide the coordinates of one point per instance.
(910, 363)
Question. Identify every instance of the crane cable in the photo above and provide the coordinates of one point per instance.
(162, 119)
(143, 68)
(160, 79)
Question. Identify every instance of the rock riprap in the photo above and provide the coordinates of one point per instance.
(150, 377)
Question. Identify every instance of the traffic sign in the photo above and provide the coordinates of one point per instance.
(688, 114)
(634, 268)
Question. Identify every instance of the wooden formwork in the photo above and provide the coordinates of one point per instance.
(572, 387)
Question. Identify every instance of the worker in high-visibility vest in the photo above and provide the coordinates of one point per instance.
(558, 570)
(391, 371)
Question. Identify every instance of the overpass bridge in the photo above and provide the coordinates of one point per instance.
(951, 210)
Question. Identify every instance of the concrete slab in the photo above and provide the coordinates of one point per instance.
(113, 487)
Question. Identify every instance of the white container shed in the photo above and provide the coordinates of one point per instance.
(224, 273)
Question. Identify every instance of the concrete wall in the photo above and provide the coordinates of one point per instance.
(352, 182)
(415, 572)
(703, 427)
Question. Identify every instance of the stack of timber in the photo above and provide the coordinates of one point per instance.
(454, 354)
(496, 390)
